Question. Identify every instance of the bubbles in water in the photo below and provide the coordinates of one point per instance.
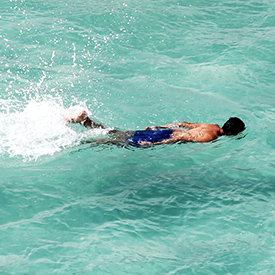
(37, 128)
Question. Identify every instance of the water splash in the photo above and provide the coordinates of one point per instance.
(37, 128)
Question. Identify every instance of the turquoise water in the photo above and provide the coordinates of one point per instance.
(68, 208)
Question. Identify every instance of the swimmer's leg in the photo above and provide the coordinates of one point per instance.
(96, 141)
(82, 117)
(115, 137)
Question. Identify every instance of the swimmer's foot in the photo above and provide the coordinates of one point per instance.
(77, 117)
(82, 117)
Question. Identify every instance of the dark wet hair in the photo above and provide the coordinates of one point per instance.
(233, 126)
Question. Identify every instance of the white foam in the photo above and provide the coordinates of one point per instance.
(38, 128)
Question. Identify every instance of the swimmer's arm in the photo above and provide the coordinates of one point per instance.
(185, 136)
(169, 140)
(175, 125)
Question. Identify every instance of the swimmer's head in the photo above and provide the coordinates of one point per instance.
(233, 126)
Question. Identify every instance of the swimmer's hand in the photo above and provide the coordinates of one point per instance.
(173, 126)
(152, 128)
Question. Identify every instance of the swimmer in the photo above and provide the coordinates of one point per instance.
(168, 133)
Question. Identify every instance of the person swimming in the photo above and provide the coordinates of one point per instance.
(168, 133)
